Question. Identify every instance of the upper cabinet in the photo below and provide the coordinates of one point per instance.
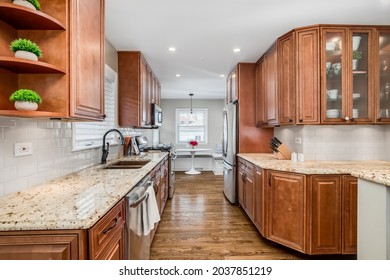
(330, 74)
(382, 71)
(231, 86)
(69, 76)
(347, 93)
(138, 90)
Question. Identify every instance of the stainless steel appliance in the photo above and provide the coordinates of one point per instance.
(171, 164)
(137, 243)
(156, 115)
(229, 150)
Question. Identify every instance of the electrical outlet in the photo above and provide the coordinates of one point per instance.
(23, 149)
(298, 140)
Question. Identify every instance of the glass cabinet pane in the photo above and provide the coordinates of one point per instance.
(384, 78)
(333, 45)
(360, 57)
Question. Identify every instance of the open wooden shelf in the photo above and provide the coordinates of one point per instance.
(30, 114)
(27, 19)
(24, 66)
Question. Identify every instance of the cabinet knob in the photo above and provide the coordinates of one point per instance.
(300, 120)
(291, 120)
(379, 119)
(104, 116)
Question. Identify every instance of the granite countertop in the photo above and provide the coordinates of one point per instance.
(76, 201)
(374, 171)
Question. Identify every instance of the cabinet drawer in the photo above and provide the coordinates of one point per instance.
(101, 234)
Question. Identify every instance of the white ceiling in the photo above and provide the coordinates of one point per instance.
(205, 32)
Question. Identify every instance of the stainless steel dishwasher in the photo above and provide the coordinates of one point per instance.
(140, 218)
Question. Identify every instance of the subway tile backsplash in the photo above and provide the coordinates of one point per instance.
(52, 153)
(339, 142)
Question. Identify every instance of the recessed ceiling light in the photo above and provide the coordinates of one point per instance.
(222, 75)
(236, 50)
(172, 49)
(178, 75)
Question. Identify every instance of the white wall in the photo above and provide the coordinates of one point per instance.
(338, 142)
(214, 106)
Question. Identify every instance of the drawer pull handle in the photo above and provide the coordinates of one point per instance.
(114, 222)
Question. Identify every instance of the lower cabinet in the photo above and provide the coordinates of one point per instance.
(313, 214)
(286, 209)
(246, 187)
(106, 237)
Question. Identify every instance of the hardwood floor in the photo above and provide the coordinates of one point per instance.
(200, 223)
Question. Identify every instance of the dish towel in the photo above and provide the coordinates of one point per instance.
(151, 215)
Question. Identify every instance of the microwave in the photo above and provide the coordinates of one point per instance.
(156, 115)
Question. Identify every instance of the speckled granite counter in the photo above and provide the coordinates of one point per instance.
(76, 201)
(374, 171)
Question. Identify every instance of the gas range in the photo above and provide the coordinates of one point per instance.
(161, 147)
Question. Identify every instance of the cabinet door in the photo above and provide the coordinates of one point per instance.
(326, 214)
(286, 79)
(260, 200)
(234, 85)
(334, 75)
(249, 195)
(87, 60)
(116, 249)
(271, 88)
(241, 186)
(260, 92)
(383, 80)
(308, 76)
(286, 220)
(360, 88)
(349, 215)
(145, 86)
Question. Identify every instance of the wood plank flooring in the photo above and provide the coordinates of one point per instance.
(200, 223)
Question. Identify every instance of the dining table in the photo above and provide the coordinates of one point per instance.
(192, 151)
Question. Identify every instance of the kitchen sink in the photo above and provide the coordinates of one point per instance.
(128, 164)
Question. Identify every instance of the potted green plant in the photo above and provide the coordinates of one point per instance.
(25, 99)
(356, 56)
(24, 48)
(31, 4)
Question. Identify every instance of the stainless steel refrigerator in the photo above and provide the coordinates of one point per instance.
(229, 150)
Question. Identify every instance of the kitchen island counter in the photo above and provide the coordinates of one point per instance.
(75, 201)
(374, 171)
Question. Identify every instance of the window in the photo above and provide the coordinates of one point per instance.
(191, 127)
(90, 134)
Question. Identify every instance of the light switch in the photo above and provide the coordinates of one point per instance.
(23, 149)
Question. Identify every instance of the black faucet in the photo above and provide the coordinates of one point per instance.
(106, 150)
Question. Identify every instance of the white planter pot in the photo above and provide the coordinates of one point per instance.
(356, 42)
(355, 64)
(26, 55)
(26, 106)
(24, 4)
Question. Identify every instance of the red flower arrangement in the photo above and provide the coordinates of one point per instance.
(193, 143)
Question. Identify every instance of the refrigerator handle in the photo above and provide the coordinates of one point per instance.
(225, 134)
(227, 166)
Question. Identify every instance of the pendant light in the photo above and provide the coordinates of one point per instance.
(191, 120)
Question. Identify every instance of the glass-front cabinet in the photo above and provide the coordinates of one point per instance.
(346, 73)
(383, 104)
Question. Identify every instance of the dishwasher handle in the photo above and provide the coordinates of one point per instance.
(139, 201)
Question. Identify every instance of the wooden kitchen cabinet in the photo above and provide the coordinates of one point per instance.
(260, 202)
(69, 76)
(106, 237)
(271, 86)
(286, 79)
(325, 214)
(231, 86)
(347, 87)
(287, 209)
(138, 89)
(382, 72)
(246, 187)
(349, 214)
(103, 241)
(260, 109)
